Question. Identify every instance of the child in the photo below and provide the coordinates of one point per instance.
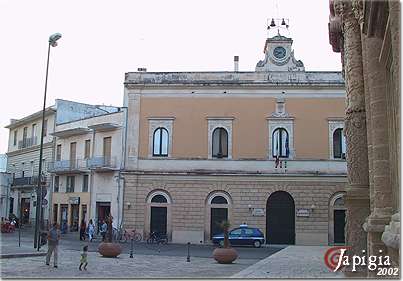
(83, 259)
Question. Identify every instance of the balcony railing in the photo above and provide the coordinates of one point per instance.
(27, 181)
(67, 165)
(101, 162)
(28, 142)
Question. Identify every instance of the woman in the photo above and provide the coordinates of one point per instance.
(83, 226)
(91, 230)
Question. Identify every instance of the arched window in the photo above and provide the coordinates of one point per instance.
(220, 143)
(219, 200)
(160, 142)
(339, 144)
(159, 199)
(280, 143)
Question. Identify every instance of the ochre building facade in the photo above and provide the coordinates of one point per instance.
(265, 148)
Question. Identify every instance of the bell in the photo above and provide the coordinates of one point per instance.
(272, 24)
(283, 22)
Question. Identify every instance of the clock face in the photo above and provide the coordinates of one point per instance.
(279, 52)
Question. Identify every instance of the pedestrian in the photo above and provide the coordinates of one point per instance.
(53, 242)
(91, 230)
(104, 229)
(83, 226)
(83, 258)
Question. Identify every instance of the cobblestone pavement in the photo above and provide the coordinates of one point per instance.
(150, 261)
(140, 266)
(292, 262)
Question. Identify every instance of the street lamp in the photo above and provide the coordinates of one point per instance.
(52, 42)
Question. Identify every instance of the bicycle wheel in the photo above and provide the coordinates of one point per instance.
(137, 237)
(150, 240)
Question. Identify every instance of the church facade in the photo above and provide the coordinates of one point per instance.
(264, 147)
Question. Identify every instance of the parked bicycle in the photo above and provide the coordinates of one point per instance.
(157, 238)
(124, 235)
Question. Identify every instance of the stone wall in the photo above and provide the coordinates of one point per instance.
(189, 211)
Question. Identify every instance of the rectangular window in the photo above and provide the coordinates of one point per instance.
(70, 183)
(56, 185)
(58, 152)
(24, 137)
(87, 149)
(45, 127)
(33, 132)
(15, 137)
(25, 133)
(85, 183)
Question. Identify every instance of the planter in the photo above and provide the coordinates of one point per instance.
(110, 250)
(225, 255)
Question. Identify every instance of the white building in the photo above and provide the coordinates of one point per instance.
(23, 162)
(86, 169)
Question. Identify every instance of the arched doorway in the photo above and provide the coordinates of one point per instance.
(159, 213)
(337, 219)
(218, 208)
(280, 218)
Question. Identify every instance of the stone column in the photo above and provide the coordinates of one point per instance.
(357, 192)
(381, 190)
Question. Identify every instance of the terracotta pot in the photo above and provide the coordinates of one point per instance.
(110, 250)
(225, 255)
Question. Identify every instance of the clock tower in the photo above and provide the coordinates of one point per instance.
(279, 56)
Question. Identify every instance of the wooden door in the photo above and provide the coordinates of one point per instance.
(107, 150)
(73, 155)
(280, 219)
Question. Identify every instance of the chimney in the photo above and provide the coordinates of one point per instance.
(236, 63)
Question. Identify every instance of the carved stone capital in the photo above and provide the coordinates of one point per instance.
(358, 10)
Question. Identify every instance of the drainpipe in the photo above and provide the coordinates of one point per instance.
(121, 206)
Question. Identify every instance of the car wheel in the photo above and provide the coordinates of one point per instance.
(257, 244)
(221, 243)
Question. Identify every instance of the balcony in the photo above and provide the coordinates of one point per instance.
(27, 181)
(76, 166)
(102, 163)
(27, 142)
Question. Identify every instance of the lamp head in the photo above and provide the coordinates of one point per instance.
(53, 39)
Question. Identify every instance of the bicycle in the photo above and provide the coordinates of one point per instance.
(157, 238)
(123, 236)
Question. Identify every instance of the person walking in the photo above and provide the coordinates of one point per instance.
(91, 230)
(53, 242)
(104, 229)
(83, 227)
(83, 258)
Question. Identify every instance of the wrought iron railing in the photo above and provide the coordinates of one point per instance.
(101, 162)
(67, 165)
(27, 142)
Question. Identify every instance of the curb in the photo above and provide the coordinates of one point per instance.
(21, 255)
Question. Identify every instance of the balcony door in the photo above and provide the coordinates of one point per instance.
(107, 150)
(73, 155)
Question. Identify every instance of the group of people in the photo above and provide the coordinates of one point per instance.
(90, 230)
(54, 238)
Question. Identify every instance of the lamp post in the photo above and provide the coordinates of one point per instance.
(52, 42)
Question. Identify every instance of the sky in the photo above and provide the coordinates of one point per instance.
(102, 40)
